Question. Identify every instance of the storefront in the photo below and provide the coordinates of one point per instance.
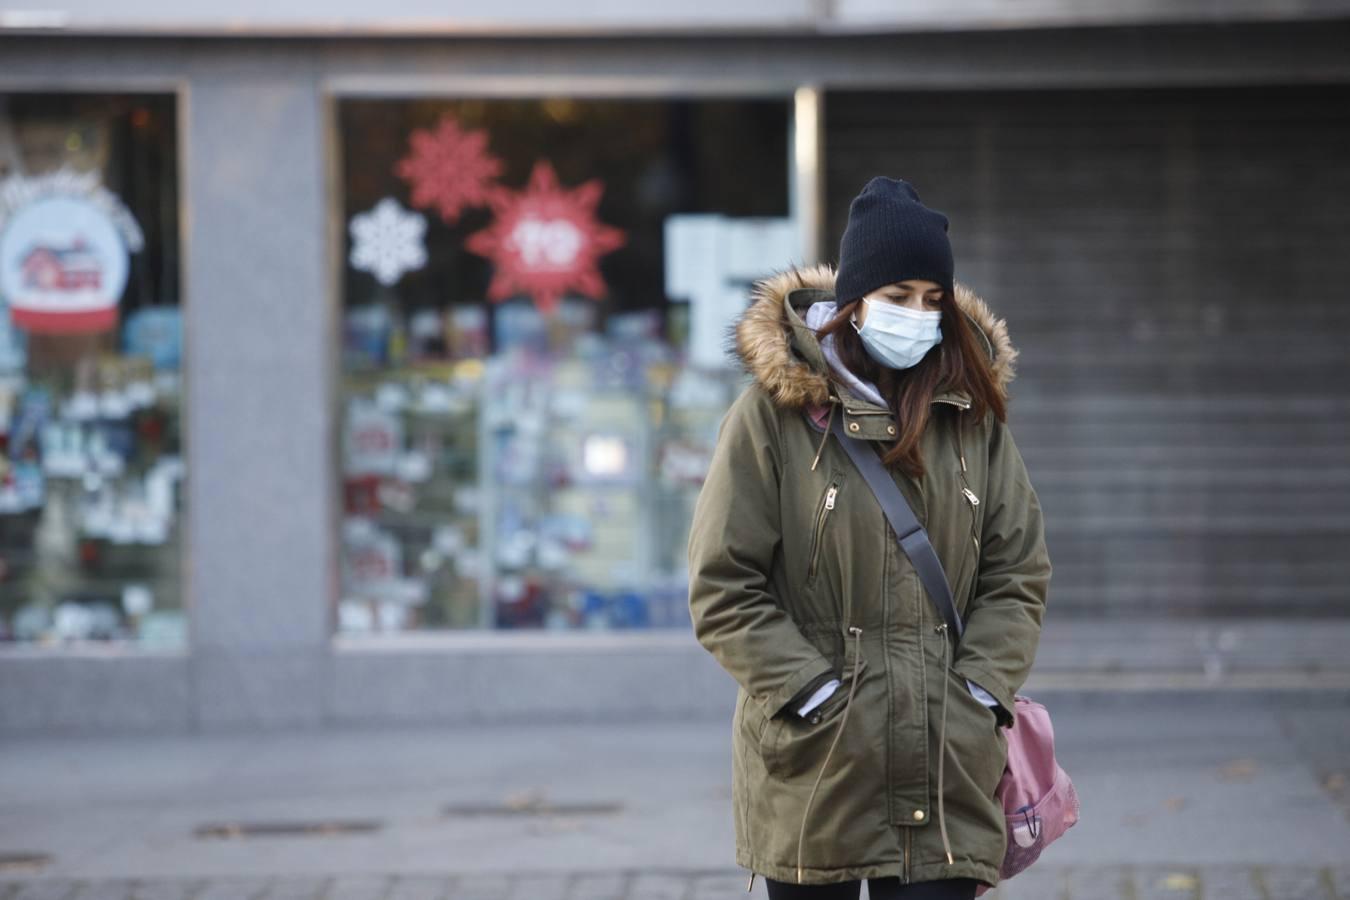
(418, 355)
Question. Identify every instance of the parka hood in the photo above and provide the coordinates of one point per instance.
(772, 342)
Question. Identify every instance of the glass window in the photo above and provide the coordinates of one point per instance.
(524, 427)
(90, 343)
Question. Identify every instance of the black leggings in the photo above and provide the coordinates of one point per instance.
(877, 889)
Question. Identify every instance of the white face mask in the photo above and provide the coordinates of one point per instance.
(897, 336)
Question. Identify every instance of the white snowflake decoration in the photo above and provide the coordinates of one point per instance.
(387, 241)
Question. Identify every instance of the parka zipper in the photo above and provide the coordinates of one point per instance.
(819, 533)
(974, 502)
(965, 484)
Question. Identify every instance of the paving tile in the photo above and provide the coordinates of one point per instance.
(539, 887)
(1093, 882)
(114, 889)
(1035, 883)
(166, 889)
(295, 888)
(1295, 883)
(646, 886)
(1230, 883)
(1167, 883)
(359, 887)
(598, 886)
(47, 889)
(420, 888)
(481, 887)
(1340, 882)
(719, 887)
(233, 889)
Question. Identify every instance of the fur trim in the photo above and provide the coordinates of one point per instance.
(761, 340)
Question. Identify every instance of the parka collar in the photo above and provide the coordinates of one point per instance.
(773, 343)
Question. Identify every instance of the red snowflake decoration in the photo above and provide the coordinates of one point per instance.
(449, 168)
(545, 240)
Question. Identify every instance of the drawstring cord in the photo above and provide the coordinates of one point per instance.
(942, 743)
(848, 704)
(825, 435)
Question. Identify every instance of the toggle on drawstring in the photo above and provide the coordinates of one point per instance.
(848, 702)
(942, 742)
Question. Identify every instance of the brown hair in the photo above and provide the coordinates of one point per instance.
(960, 363)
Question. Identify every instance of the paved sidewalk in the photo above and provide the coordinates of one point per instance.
(1047, 882)
(1184, 795)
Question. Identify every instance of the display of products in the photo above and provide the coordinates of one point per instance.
(91, 505)
(410, 475)
(548, 486)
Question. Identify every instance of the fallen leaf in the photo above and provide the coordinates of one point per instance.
(1238, 770)
(1179, 881)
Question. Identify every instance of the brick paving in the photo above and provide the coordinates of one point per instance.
(1042, 882)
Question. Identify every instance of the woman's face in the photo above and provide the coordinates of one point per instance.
(914, 293)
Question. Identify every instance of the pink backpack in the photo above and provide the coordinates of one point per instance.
(1039, 801)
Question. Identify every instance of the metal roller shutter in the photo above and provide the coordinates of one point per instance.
(1173, 266)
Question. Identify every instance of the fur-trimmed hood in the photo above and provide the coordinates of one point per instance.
(772, 342)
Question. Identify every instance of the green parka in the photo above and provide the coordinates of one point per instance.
(796, 578)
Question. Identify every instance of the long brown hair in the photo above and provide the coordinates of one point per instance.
(960, 362)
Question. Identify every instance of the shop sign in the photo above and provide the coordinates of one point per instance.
(64, 246)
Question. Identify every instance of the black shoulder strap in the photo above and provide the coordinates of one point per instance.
(913, 539)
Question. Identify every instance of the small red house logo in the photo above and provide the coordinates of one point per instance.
(71, 268)
(64, 247)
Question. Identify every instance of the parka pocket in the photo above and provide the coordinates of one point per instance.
(825, 507)
(974, 735)
(793, 745)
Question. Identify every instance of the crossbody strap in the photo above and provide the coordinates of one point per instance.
(913, 538)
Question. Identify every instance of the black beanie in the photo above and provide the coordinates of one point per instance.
(890, 237)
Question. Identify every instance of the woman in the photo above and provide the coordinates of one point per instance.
(859, 717)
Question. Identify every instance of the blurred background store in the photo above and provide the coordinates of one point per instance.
(343, 350)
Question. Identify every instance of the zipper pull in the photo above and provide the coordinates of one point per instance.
(829, 497)
(970, 495)
(751, 886)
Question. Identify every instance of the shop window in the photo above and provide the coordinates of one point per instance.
(533, 369)
(91, 467)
